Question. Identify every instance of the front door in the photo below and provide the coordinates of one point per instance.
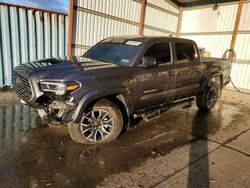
(154, 83)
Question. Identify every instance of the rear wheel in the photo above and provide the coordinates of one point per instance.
(100, 124)
(208, 99)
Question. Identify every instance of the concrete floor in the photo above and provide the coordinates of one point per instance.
(182, 148)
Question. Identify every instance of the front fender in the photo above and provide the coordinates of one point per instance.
(95, 95)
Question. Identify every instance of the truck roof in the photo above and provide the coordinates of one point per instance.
(144, 38)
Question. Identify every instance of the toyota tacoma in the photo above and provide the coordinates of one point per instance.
(96, 94)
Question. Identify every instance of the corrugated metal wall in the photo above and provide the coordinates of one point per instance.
(213, 29)
(210, 28)
(95, 20)
(28, 34)
(161, 18)
(241, 74)
(241, 69)
(242, 46)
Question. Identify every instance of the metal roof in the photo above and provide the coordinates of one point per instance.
(192, 3)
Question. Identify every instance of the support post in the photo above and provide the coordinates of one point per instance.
(236, 25)
(142, 16)
(178, 30)
(70, 28)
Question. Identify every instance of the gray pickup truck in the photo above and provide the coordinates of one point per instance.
(120, 77)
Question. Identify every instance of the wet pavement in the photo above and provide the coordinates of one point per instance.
(33, 155)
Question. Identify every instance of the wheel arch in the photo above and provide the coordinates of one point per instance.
(214, 77)
(118, 97)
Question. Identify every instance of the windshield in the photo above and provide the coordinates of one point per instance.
(120, 54)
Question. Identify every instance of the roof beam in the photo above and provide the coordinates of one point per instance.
(142, 16)
(178, 31)
(70, 28)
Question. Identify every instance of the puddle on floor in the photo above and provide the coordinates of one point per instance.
(32, 154)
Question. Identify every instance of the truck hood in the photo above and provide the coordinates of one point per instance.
(77, 68)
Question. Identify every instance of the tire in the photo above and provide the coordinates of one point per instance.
(208, 98)
(100, 124)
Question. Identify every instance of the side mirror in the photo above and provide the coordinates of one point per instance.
(149, 61)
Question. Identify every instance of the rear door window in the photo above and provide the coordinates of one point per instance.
(185, 52)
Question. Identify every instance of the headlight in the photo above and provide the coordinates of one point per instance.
(59, 88)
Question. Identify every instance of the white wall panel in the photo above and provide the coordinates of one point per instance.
(245, 17)
(242, 46)
(95, 20)
(92, 28)
(215, 44)
(160, 19)
(165, 4)
(198, 22)
(154, 32)
(126, 9)
(209, 20)
(241, 74)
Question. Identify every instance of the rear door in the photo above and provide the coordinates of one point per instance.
(154, 83)
(189, 69)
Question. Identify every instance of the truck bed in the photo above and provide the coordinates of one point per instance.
(213, 59)
(224, 64)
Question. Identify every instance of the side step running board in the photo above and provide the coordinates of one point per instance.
(151, 116)
(155, 112)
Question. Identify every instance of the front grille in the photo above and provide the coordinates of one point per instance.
(22, 86)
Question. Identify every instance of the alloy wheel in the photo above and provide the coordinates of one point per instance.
(212, 96)
(97, 125)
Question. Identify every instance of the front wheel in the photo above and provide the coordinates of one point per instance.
(208, 99)
(100, 124)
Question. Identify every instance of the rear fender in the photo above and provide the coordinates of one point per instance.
(216, 78)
